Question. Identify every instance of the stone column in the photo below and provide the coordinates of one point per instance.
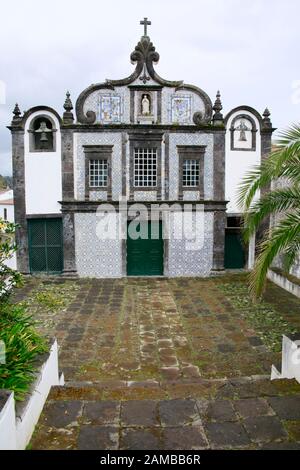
(67, 166)
(219, 195)
(18, 161)
(67, 170)
(69, 244)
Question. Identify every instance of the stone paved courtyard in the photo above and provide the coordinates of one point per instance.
(167, 363)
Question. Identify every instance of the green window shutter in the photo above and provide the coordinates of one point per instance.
(45, 245)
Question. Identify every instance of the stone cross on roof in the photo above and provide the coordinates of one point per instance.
(146, 23)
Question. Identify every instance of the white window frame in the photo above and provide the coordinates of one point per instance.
(145, 162)
(98, 173)
(191, 173)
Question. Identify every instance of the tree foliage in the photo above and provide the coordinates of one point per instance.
(281, 173)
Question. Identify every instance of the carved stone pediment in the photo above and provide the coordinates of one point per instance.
(144, 56)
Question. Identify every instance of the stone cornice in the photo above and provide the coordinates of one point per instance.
(208, 128)
(92, 206)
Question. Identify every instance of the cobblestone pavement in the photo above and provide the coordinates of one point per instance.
(168, 363)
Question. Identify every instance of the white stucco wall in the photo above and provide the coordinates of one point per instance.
(238, 162)
(10, 211)
(43, 187)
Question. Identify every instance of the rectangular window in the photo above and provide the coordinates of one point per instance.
(98, 173)
(190, 173)
(5, 214)
(145, 167)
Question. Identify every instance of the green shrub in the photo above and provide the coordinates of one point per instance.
(9, 277)
(23, 344)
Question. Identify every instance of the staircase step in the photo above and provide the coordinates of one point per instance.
(240, 387)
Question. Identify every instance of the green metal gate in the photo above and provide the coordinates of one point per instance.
(45, 245)
(145, 256)
(234, 249)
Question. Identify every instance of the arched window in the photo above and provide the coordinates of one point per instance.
(42, 135)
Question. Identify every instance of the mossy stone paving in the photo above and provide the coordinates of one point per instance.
(176, 329)
(155, 340)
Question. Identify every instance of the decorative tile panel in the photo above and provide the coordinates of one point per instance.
(119, 99)
(181, 109)
(191, 195)
(98, 195)
(109, 109)
(145, 195)
(169, 95)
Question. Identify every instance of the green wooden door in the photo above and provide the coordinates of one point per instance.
(145, 256)
(45, 245)
(234, 249)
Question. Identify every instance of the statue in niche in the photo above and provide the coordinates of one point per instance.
(145, 105)
(242, 128)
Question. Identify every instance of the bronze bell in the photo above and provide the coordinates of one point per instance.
(43, 129)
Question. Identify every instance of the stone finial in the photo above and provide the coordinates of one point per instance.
(68, 117)
(17, 114)
(217, 107)
(267, 124)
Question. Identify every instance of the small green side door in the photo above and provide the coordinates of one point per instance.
(234, 249)
(145, 256)
(45, 245)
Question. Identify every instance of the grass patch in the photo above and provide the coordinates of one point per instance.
(51, 297)
(263, 317)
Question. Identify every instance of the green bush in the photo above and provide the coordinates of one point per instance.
(23, 344)
(9, 277)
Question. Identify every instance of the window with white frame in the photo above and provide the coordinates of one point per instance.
(98, 173)
(190, 173)
(145, 167)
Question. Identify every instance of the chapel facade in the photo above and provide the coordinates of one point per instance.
(142, 140)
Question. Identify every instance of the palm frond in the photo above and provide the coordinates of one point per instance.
(282, 162)
(291, 254)
(280, 238)
(289, 136)
(273, 202)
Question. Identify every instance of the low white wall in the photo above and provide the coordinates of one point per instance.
(283, 282)
(8, 439)
(16, 431)
(290, 361)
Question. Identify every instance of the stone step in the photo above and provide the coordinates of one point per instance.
(241, 387)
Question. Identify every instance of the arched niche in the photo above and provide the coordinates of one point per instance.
(42, 132)
(243, 133)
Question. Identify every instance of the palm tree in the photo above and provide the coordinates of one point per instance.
(280, 172)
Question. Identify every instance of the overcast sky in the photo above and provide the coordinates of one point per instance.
(247, 49)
